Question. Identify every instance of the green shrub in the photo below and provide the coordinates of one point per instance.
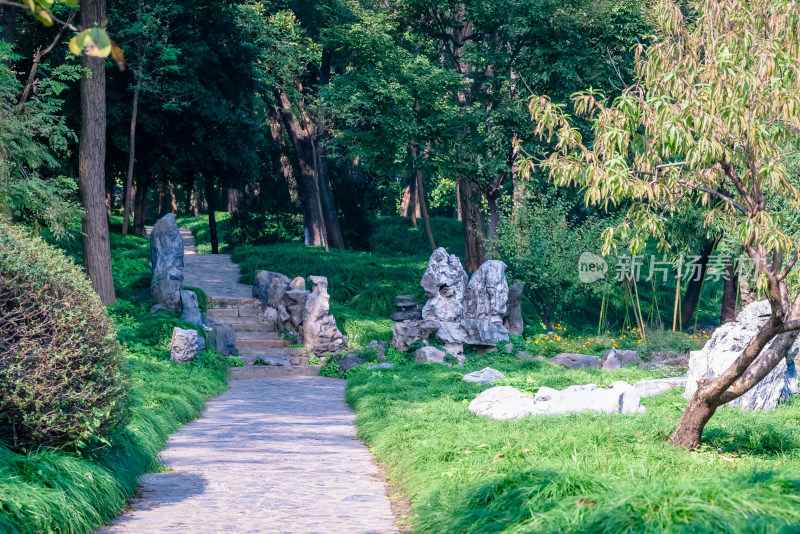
(62, 378)
(238, 362)
(263, 228)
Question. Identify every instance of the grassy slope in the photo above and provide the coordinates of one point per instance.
(581, 473)
(53, 491)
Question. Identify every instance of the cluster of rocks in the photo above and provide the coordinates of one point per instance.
(727, 343)
(288, 304)
(481, 311)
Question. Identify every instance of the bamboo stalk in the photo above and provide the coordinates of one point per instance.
(677, 298)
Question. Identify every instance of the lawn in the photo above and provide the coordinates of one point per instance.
(580, 473)
(56, 491)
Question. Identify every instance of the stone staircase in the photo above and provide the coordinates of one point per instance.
(257, 340)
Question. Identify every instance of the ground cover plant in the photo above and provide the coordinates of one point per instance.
(46, 490)
(587, 473)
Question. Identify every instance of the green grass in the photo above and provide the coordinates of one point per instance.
(54, 491)
(587, 473)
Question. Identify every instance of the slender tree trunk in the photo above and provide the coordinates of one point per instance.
(172, 198)
(329, 209)
(140, 206)
(9, 24)
(162, 199)
(126, 219)
(92, 158)
(494, 213)
(211, 202)
(458, 203)
(692, 296)
(420, 190)
(281, 165)
(313, 219)
(747, 294)
(730, 284)
(197, 199)
(472, 223)
(409, 206)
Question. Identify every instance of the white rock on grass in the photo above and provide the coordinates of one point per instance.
(382, 365)
(726, 344)
(505, 402)
(185, 345)
(657, 386)
(487, 375)
(429, 355)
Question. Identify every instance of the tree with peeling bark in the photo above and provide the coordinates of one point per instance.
(715, 114)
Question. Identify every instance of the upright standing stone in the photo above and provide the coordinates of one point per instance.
(191, 308)
(444, 282)
(513, 318)
(185, 345)
(262, 282)
(486, 296)
(166, 260)
(320, 333)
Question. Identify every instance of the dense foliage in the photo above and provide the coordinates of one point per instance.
(62, 377)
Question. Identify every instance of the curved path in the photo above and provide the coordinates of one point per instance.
(272, 456)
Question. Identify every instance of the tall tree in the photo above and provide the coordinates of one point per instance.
(714, 114)
(92, 156)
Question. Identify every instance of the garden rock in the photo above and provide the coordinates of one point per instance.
(224, 337)
(430, 355)
(444, 282)
(726, 344)
(487, 375)
(185, 345)
(483, 332)
(166, 260)
(405, 302)
(657, 386)
(509, 348)
(513, 317)
(320, 332)
(611, 363)
(270, 315)
(379, 347)
(503, 402)
(191, 308)
(298, 283)
(406, 333)
(624, 357)
(620, 397)
(262, 282)
(486, 296)
(294, 302)
(345, 364)
(382, 365)
(576, 361)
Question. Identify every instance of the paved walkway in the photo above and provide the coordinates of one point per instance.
(271, 456)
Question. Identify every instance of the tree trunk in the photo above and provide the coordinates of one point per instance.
(211, 202)
(92, 158)
(197, 200)
(140, 207)
(472, 223)
(172, 198)
(458, 203)
(731, 282)
(420, 190)
(313, 220)
(9, 24)
(128, 204)
(281, 166)
(328, 202)
(162, 199)
(409, 206)
(494, 213)
(692, 296)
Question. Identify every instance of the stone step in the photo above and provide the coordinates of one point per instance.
(252, 345)
(277, 361)
(253, 327)
(264, 353)
(269, 371)
(259, 335)
(218, 302)
(234, 320)
(234, 312)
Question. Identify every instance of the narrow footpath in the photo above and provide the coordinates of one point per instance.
(270, 455)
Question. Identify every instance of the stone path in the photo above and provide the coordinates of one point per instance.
(270, 456)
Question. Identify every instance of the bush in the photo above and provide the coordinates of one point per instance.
(62, 382)
(262, 228)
